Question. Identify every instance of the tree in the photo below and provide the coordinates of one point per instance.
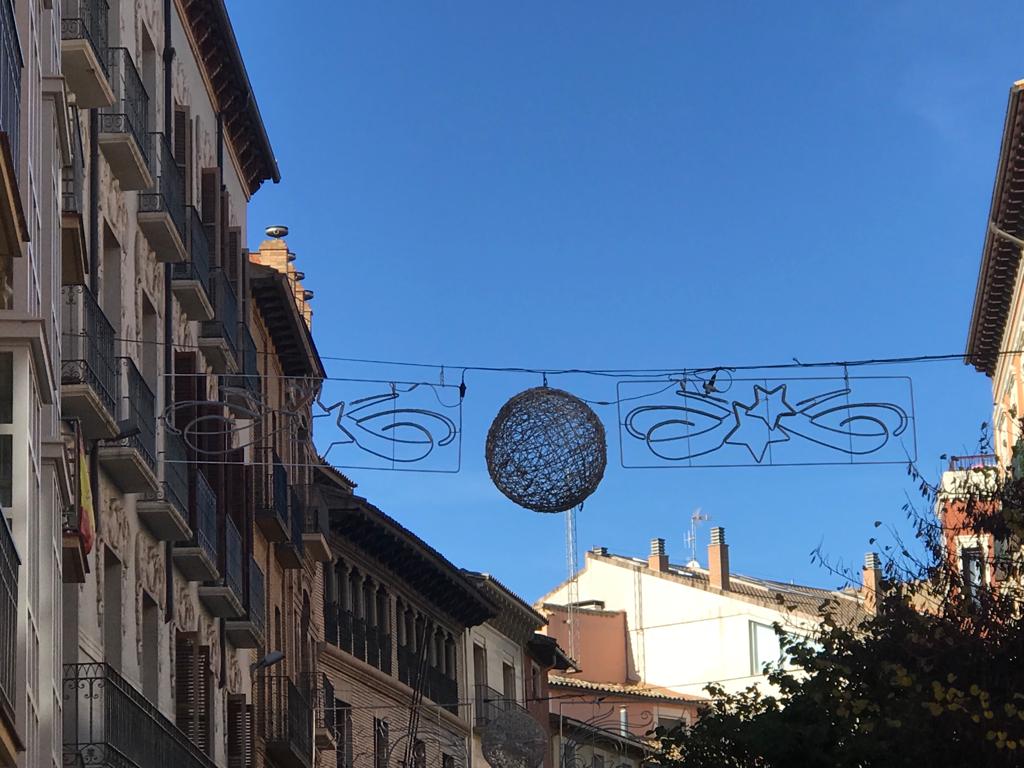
(934, 678)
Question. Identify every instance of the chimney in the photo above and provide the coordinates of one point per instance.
(599, 551)
(718, 559)
(658, 560)
(872, 582)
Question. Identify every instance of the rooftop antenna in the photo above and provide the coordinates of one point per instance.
(696, 519)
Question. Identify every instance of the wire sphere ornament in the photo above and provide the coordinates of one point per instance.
(513, 739)
(546, 450)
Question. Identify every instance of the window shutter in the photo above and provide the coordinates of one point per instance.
(211, 212)
(192, 695)
(225, 223)
(185, 389)
(239, 732)
(183, 151)
(233, 251)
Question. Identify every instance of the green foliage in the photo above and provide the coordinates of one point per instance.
(935, 678)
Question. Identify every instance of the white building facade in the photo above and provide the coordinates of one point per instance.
(678, 628)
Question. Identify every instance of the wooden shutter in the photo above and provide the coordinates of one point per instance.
(211, 212)
(233, 251)
(183, 151)
(239, 732)
(192, 694)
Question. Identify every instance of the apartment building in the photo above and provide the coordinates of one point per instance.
(175, 354)
(394, 662)
(35, 486)
(630, 617)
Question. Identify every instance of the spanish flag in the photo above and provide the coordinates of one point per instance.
(86, 513)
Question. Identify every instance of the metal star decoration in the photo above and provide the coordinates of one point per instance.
(753, 431)
(770, 405)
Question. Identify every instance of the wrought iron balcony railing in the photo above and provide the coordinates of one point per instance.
(257, 603)
(138, 412)
(489, 703)
(9, 564)
(86, 20)
(88, 345)
(108, 722)
(166, 195)
(249, 379)
(130, 111)
(284, 719)
(225, 311)
(198, 265)
(175, 464)
(977, 461)
(204, 515)
(436, 684)
(272, 495)
(71, 185)
(233, 573)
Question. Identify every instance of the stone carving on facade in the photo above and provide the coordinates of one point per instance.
(112, 203)
(116, 530)
(234, 675)
(149, 578)
(206, 154)
(149, 21)
(210, 633)
(184, 607)
(149, 274)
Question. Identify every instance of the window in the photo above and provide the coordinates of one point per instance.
(508, 680)
(597, 761)
(112, 619)
(419, 754)
(569, 754)
(535, 685)
(972, 565)
(343, 724)
(193, 689)
(239, 732)
(764, 647)
(150, 648)
(669, 724)
(447, 761)
(380, 743)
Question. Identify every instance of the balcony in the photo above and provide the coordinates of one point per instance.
(197, 559)
(217, 336)
(109, 723)
(436, 684)
(9, 564)
(353, 635)
(316, 527)
(162, 208)
(190, 280)
(489, 704)
(74, 559)
(224, 599)
(290, 551)
(13, 230)
(88, 374)
(250, 631)
(83, 52)
(244, 388)
(74, 257)
(284, 719)
(166, 511)
(272, 498)
(131, 460)
(326, 732)
(124, 125)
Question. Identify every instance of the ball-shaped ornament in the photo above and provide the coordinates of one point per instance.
(513, 739)
(546, 450)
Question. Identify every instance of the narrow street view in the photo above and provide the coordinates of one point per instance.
(511, 385)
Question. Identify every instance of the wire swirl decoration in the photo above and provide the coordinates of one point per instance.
(513, 739)
(546, 450)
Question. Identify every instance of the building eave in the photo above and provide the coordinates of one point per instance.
(415, 563)
(1000, 258)
(233, 94)
(293, 342)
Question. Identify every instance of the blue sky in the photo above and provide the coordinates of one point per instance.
(610, 185)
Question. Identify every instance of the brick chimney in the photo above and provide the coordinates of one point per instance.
(718, 559)
(871, 589)
(658, 560)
